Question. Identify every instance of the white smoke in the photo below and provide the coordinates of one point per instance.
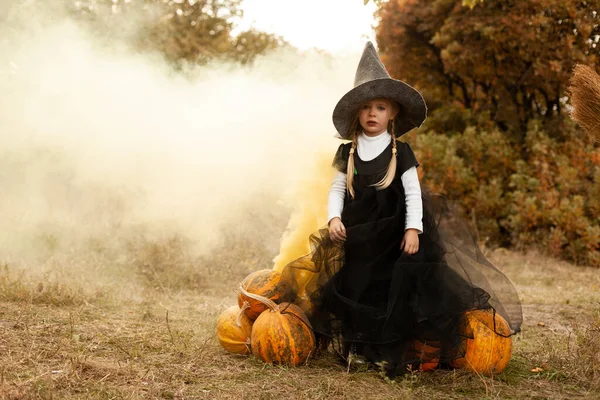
(95, 139)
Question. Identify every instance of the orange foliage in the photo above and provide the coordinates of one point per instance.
(544, 193)
(511, 58)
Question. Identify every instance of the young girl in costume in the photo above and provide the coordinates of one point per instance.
(395, 271)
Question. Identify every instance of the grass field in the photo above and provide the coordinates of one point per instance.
(140, 324)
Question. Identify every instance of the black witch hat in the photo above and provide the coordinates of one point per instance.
(373, 81)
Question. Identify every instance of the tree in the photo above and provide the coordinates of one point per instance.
(468, 3)
(508, 57)
(185, 31)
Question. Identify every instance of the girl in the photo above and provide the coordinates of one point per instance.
(394, 272)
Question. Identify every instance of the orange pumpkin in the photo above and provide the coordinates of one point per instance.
(265, 283)
(234, 330)
(426, 354)
(282, 335)
(488, 352)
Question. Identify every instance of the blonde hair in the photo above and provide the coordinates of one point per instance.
(355, 130)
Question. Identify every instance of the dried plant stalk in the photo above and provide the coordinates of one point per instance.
(585, 98)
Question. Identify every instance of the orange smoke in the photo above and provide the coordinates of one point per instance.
(310, 213)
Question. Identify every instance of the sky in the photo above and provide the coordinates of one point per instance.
(337, 26)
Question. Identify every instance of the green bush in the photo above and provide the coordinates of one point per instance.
(544, 193)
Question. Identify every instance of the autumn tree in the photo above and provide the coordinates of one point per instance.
(511, 58)
(185, 31)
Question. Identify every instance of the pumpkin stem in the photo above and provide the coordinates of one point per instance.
(267, 302)
(238, 320)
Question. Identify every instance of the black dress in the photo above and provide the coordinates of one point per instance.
(370, 296)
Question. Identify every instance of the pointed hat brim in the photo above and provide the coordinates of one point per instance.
(373, 81)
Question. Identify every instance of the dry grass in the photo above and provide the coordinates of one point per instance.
(160, 342)
(15, 287)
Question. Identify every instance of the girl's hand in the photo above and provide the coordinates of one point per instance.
(337, 230)
(410, 242)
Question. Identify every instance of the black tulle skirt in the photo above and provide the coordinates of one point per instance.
(367, 296)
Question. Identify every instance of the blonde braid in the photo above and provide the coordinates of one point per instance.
(350, 169)
(391, 171)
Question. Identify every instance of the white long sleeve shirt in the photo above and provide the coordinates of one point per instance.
(368, 148)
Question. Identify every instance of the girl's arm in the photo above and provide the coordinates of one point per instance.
(337, 194)
(414, 203)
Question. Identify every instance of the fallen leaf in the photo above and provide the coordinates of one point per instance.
(541, 324)
(537, 369)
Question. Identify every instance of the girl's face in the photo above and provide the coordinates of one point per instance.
(374, 116)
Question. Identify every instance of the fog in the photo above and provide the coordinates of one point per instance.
(96, 141)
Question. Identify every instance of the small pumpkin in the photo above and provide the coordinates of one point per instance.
(488, 352)
(282, 335)
(233, 331)
(265, 283)
(427, 355)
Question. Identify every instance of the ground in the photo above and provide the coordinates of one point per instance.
(155, 339)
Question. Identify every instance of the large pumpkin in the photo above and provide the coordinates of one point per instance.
(282, 335)
(264, 283)
(488, 352)
(428, 356)
(234, 330)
